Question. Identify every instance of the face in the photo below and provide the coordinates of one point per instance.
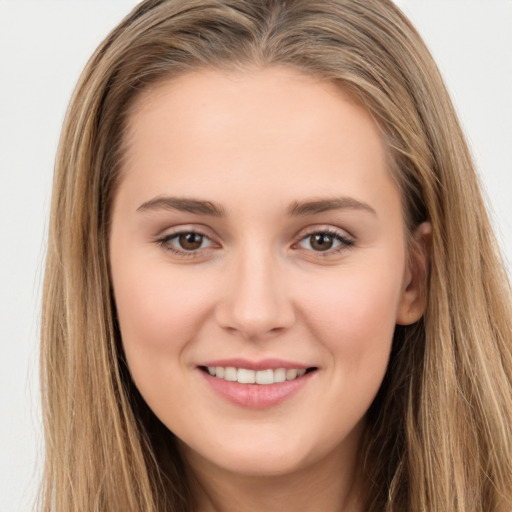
(259, 266)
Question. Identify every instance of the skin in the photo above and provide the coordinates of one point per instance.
(256, 143)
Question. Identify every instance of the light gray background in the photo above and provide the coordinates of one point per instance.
(44, 44)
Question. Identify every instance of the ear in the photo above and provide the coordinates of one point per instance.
(413, 300)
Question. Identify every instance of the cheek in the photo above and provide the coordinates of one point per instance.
(356, 310)
(159, 312)
(158, 309)
(354, 318)
(354, 322)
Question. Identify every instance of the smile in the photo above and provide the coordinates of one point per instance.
(263, 377)
(257, 388)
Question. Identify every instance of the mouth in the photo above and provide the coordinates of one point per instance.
(261, 384)
(262, 377)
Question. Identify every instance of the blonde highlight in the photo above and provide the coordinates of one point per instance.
(439, 433)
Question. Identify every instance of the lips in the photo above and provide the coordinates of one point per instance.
(256, 385)
(248, 376)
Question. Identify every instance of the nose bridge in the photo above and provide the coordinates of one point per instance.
(256, 302)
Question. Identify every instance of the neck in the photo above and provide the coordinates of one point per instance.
(332, 484)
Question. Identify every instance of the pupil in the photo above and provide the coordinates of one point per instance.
(190, 241)
(321, 242)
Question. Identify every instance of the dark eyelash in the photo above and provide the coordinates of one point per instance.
(163, 241)
(346, 243)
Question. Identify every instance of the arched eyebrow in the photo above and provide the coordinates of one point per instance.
(182, 204)
(303, 208)
(296, 209)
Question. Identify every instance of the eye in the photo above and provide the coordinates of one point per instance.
(185, 242)
(325, 240)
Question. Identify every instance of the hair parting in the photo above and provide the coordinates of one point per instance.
(439, 432)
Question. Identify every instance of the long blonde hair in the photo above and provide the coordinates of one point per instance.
(439, 433)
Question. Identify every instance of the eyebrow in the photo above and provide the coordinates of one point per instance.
(183, 205)
(296, 209)
(323, 205)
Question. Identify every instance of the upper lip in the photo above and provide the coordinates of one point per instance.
(262, 364)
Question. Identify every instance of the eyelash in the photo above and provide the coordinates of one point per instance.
(344, 242)
(164, 242)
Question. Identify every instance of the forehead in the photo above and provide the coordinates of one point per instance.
(267, 100)
(248, 129)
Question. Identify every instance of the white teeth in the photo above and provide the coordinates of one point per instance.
(263, 377)
(291, 374)
(279, 375)
(230, 374)
(246, 376)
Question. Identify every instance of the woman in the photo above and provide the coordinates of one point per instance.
(271, 279)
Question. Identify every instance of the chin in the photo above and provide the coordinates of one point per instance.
(264, 464)
(261, 458)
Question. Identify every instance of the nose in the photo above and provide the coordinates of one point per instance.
(255, 303)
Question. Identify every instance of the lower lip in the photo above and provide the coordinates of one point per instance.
(256, 396)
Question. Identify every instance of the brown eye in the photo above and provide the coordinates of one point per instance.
(321, 241)
(190, 241)
(329, 242)
(186, 243)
